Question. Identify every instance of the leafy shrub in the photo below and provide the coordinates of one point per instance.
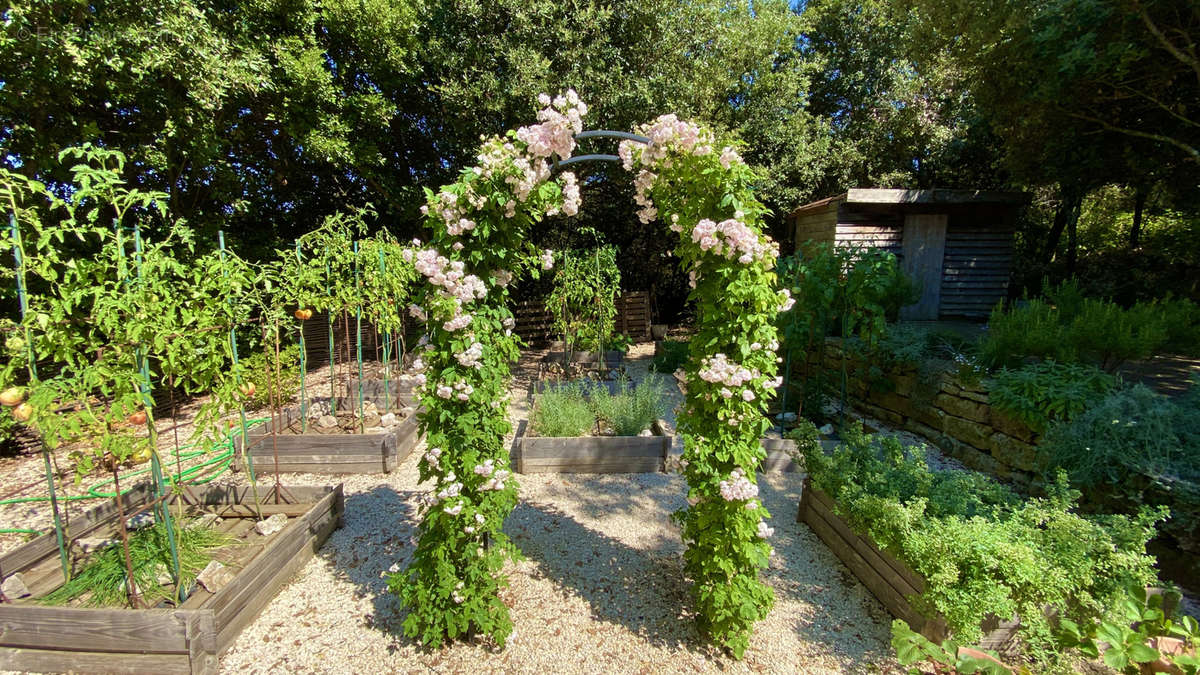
(630, 409)
(1133, 432)
(1032, 329)
(562, 412)
(1181, 321)
(980, 548)
(259, 368)
(1040, 393)
(1068, 327)
(669, 355)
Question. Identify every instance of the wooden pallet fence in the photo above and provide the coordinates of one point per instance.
(535, 322)
(188, 639)
(593, 454)
(891, 581)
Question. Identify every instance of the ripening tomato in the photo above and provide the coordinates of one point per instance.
(23, 412)
(12, 396)
(303, 314)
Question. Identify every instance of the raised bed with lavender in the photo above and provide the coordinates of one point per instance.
(171, 637)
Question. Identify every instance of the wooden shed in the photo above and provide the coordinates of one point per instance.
(957, 244)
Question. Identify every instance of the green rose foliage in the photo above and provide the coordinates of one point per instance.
(478, 246)
(707, 198)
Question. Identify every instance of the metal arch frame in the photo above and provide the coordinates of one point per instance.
(623, 135)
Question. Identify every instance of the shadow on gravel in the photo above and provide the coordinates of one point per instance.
(375, 534)
(641, 590)
(845, 613)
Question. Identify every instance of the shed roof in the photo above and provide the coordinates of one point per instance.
(924, 197)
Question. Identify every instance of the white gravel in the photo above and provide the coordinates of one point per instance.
(600, 589)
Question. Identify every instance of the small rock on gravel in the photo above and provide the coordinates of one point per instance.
(205, 521)
(327, 421)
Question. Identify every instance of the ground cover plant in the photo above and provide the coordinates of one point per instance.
(980, 547)
(702, 192)
(1047, 391)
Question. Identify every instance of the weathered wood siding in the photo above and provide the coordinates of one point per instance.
(818, 227)
(978, 263)
(924, 247)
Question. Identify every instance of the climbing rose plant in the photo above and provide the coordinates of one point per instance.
(478, 247)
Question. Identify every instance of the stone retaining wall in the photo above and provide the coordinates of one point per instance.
(951, 414)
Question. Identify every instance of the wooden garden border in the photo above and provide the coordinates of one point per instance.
(189, 639)
(891, 581)
(337, 453)
(593, 454)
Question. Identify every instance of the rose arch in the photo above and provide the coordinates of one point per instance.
(478, 247)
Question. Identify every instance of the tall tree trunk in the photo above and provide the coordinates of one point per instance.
(1072, 240)
(1066, 214)
(1139, 204)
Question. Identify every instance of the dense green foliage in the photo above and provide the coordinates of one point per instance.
(980, 548)
(669, 355)
(1069, 327)
(1048, 391)
(586, 284)
(272, 384)
(577, 409)
(839, 291)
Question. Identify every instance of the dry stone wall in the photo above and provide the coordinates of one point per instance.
(955, 416)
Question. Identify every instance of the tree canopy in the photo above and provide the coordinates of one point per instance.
(262, 117)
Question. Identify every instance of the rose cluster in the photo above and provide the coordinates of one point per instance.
(738, 487)
(731, 238)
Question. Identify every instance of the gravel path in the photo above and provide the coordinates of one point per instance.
(600, 589)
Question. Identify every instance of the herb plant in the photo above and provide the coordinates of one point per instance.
(1041, 393)
(980, 548)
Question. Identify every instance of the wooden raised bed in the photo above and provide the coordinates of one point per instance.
(378, 451)
(891, 581)
(593, 454)
(186, 639)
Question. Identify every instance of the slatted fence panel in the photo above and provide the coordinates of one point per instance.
(535, 323)
(975, 271)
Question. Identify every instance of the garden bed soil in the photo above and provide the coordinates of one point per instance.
(891, 581)
(592, 454)
(188, 638)
(286, 444)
